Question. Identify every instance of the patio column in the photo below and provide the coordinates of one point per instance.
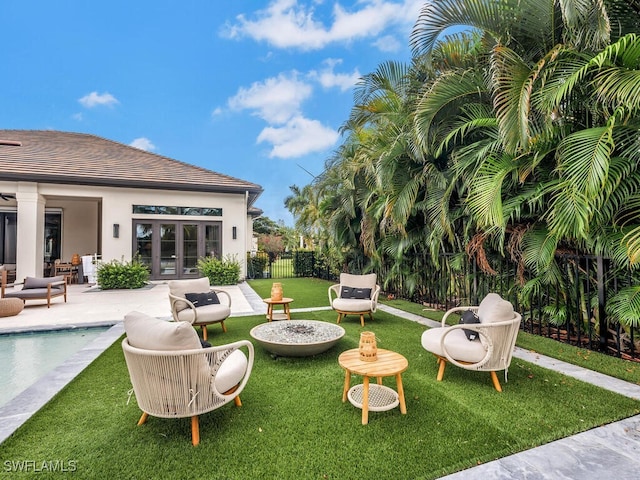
(30, 231)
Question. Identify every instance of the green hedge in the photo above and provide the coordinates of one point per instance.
(304, 263)
(220, 272)
(120, 274)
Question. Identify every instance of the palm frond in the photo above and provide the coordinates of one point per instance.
(584, 159)
(624, 306)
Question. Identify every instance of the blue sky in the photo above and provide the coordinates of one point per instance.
(253, 89)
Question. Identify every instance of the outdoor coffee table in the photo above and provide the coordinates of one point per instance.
(283, 314)
(374, 397)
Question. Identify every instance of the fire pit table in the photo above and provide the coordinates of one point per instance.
(297, 338)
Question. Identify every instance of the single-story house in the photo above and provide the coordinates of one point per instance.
(64, 193)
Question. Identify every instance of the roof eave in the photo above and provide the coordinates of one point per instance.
(253, 190)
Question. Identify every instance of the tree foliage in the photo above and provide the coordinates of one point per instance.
(517, 136)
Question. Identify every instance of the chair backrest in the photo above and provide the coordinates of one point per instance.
(358, 281)
(504, 324)
(493, 308)
(503, 339)
(180, 288)
(172, 375)
(40, 282)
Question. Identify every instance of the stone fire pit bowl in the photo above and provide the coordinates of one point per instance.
(297, 338)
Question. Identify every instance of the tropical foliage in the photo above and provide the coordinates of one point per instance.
(220, 272)
(516, 136)
(122, 274)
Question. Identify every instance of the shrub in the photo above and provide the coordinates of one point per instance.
(220, 272)
(304, 263)
(121, 274)
(256, 264)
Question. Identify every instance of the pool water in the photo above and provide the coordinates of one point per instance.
(27, 357)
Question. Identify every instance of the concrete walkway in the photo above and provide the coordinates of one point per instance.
(613, 449)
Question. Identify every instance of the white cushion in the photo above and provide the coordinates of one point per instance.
(151, 333)
(456, 343)
(231, 371)
(206, 314)
(351, 305)
(358, 281)
(494, 308)
(180, 288)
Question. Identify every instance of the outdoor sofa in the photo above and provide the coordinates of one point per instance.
(34, 288)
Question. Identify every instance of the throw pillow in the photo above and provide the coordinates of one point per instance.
(201, 299)
(354, 292)
(150, 333)
(470, 317)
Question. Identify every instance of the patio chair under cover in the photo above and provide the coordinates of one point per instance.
(173, 376)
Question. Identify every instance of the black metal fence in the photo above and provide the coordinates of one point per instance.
(296, 263)
(573, 311)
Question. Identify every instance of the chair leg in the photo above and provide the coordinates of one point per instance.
(362, 319)
(224, 329)
(236, 399)
(339, 317)
(195, 431)
(496, 382)
(204, 333)
(143, 418)
(443, 364)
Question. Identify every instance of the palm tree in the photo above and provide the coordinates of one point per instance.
(543, 130)
(303, 204)
(530, 46)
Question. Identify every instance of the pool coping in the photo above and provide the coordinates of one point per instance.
(20, 408)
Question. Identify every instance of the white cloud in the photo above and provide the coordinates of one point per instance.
(95, 99)
(286, 23)
(275, 100)
(78, 116)
(143, 143)
(217, 111)
(328, 78)
(298, 137)
(388, 43)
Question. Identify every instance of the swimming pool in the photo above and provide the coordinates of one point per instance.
(27, 357)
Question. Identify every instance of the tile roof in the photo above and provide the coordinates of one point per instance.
(49, 156)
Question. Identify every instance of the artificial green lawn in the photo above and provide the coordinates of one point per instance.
(306, 292)
(293, 424)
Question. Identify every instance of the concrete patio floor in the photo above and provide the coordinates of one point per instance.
(591, 455)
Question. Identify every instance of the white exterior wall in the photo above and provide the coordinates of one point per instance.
(89, 213)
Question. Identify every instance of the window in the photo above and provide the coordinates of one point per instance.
(169, 210)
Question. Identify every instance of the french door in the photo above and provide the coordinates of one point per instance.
(171, 249)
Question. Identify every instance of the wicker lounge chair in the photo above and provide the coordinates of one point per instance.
(173, 376)
(355, 295)
(185, 310)
(495, 339)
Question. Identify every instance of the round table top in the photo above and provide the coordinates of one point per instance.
(388, 363)
(277, 302)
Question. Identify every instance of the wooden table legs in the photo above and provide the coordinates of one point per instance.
(365, 393)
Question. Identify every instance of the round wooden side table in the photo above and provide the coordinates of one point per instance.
(388, 364)
(284, 314)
